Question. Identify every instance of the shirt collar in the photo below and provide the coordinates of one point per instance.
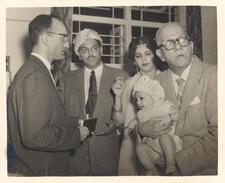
(97, 70)
(184, 75)
(43, 59)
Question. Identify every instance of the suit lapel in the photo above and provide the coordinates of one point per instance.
(190, 91)
(45, 71)
(80, 90)
(191, 86)
(167, 84)
(102, 89)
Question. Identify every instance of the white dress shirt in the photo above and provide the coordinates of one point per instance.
(184, 76)
(87, 74)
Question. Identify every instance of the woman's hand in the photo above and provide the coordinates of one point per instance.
(118, 86)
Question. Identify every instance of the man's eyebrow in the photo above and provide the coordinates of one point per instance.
(87, 47)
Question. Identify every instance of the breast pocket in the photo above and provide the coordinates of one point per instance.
(195, 117)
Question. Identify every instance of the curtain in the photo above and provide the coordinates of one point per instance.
(60, 68)
(194, 28)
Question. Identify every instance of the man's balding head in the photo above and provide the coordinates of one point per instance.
(174, 47)
(168, 28)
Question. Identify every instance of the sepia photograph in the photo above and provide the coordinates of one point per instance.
(112, 91)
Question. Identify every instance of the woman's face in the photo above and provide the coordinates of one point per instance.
(144, 58)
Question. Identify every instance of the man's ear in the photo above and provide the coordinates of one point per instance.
(44, 38)
(192, 46)
(78, 54)
(101, 50)
(159, 54)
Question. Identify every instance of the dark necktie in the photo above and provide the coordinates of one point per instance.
(58, 85)
(92, 95)
(180, 83)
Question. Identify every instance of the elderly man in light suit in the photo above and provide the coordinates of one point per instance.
(98, 154)
(196, 98)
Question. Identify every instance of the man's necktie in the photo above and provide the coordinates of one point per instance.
(56, 79)
(92, 95)
(180, 83)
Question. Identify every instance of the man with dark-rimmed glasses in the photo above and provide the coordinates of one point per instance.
(40, 132)
(192, 85)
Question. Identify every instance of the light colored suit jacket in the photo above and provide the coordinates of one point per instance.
(97, 155)
(40, 132)
(197, 120)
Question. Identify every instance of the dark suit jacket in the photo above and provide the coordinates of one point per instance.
(197, 120)
(97, 155)
(40, 132)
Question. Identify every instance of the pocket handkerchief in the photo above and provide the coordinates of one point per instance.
(195, 101)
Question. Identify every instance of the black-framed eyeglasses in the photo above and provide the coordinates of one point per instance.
(171, 43)
(60, 34)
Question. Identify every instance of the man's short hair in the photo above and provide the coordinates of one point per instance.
(38, 25)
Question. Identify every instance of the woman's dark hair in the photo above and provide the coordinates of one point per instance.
(151, 44)
(38, 25)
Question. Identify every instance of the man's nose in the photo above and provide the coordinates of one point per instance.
(139, 103)
(177, 45)
(90, 52)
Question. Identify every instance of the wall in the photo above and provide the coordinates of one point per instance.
(209, 34)
(17, 20)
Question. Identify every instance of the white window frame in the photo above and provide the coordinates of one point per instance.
(126, 22)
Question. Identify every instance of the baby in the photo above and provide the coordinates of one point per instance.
(150, 100)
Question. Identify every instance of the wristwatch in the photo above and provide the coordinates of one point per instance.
(127, 131)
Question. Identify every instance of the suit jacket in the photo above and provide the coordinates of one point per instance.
(197, 120)
(97, 155)
(40, 132)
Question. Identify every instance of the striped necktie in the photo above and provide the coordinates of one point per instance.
(180, 82)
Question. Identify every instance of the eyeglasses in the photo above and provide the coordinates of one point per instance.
(60, 34)
(171, 43)
(65, 36)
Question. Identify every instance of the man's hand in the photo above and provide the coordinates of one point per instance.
(155, 127)
(84, 132)
(162, 122)
(118, 85)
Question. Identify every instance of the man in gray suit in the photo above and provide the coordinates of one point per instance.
(192, 86)
(98, 154)
(40, 132)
